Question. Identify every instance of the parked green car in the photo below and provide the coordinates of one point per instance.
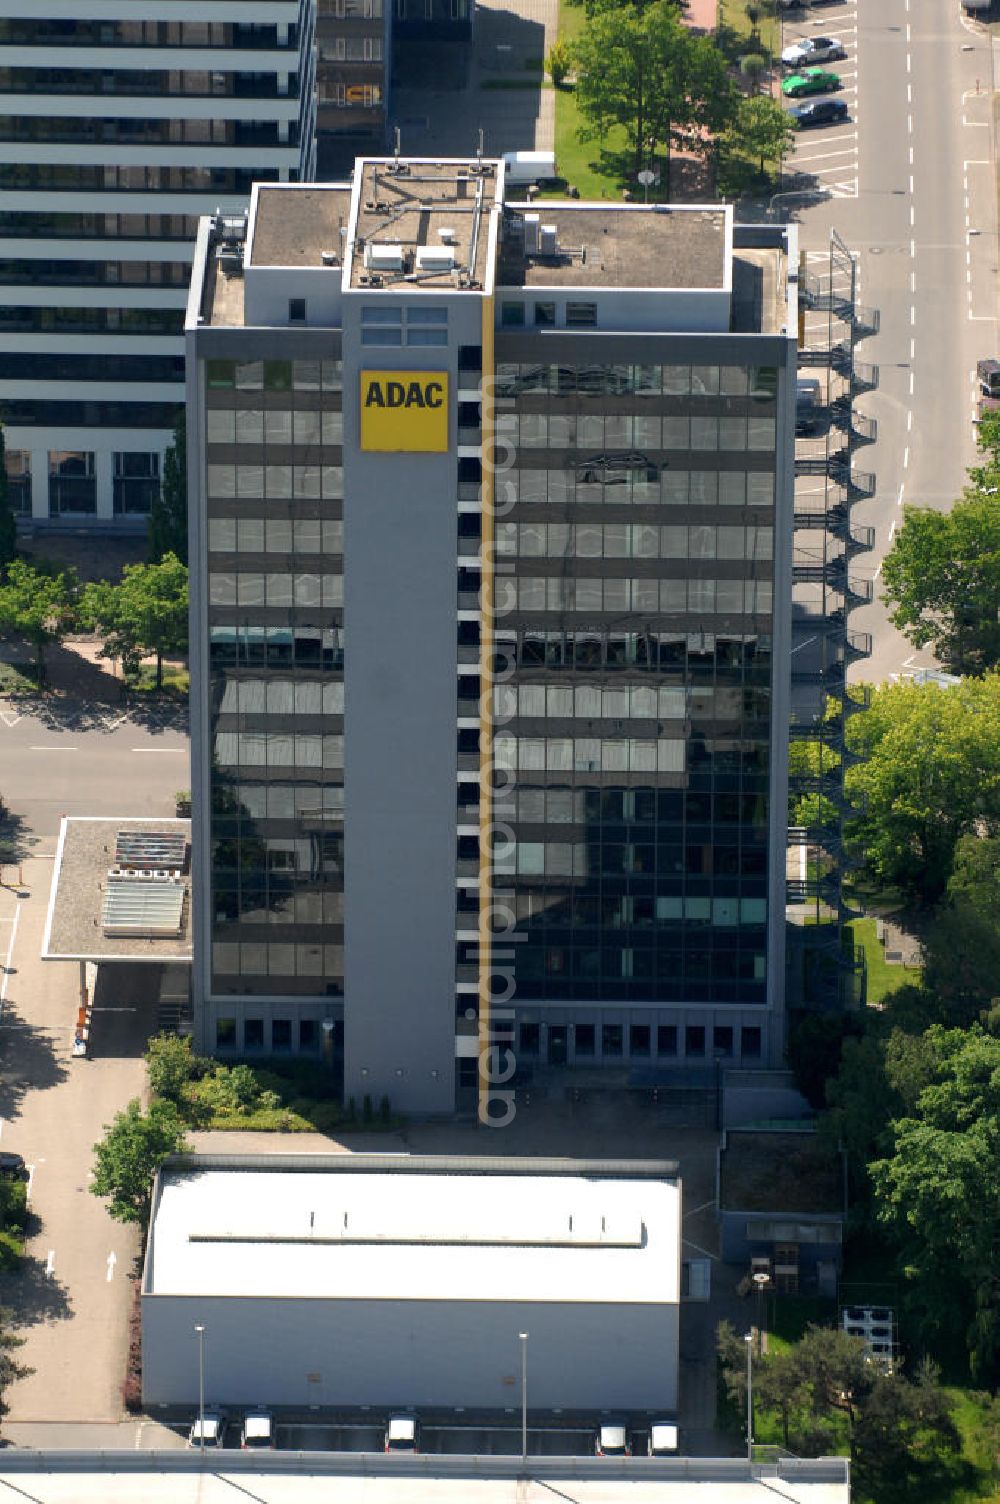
(810, 81)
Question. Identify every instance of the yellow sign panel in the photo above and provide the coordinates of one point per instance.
(404, 410)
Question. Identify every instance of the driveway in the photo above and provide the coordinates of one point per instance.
(60, 754)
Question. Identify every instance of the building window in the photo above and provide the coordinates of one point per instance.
(470, 358)
(666, 1039)
(638, 1042)
(581, 315)
(72, 484)
(750, 1043)
(136, 482)
(529, 1039)
(612, 1039)
(281, 1034)
(253, 1033)
(18, 465)
(545, 315)
(584, 1039)
(225, 1033)
(694, 1040)
(512, 315)
(307, 1035)
(296, 310)
(722, 1042)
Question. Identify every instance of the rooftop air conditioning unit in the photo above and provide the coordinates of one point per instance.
(531, 234)
(384, 258)
(447, 234)
(435, 258)
(548, 240)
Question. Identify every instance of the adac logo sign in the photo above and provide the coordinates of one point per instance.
(404, 410)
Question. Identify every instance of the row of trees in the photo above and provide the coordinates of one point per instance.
(899, 1432)
(146, 614)
(641, 69)
(942, 574)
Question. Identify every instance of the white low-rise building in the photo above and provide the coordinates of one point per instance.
(404, 1281)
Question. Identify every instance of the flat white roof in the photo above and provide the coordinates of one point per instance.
(217, 1486)
(393, 1235)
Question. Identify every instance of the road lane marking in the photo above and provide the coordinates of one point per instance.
(899, 498)
(31, 1181)
(112, 1261)
(911, 383)
(7, 958)
(53, 749)
(50, 1263)
(157, 749)
(906, 457)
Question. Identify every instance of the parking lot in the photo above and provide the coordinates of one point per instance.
(825, 158)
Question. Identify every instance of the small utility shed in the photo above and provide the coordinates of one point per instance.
(346, 1280)
(782, 1205)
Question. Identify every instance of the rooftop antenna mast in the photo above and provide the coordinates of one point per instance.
(395, 145)
(479, 148)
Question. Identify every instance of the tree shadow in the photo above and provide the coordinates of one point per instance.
(33, 1296)
(28, 1062)
(17, 841)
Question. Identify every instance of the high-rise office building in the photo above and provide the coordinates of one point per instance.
(491, 574)
(123, 122)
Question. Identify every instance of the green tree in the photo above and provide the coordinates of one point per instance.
(10, 1368)
(938, 1191)
(168, 518)
(558, 62)
(132, 1149)
(8, 522)
(761, 130)
(942, 580)
(37, 605)
(171, 1065)
(146, 613)
(963, 944)
(929, 774)
(640, 68)
(860, 1104)
(904, 1437)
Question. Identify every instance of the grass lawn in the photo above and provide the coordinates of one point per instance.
(18, 679)
(176, 680)
(883, 978)
(579, 162)
(733, 18)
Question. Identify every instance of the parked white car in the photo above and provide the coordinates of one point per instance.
(809, 50)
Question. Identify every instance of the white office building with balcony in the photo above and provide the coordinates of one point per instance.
(123, 121)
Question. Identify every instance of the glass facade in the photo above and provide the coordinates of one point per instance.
(634, 582)
(274, 506)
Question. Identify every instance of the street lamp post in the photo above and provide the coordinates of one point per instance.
(523, 1337)
(201, 1387)
(748, 1339)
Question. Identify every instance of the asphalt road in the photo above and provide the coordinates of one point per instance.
(921, 214)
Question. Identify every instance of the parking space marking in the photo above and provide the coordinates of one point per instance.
(7, 958)
(831, 157)
(50, 1263)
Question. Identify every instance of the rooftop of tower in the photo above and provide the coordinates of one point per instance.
(423, 223)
